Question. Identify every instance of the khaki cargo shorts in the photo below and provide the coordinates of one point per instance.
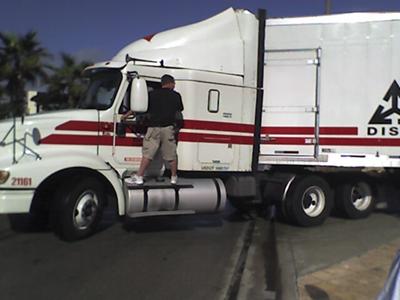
(157, 137)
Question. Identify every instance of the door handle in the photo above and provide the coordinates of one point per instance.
(266, 138)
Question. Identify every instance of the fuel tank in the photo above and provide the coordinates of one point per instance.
(189, 196)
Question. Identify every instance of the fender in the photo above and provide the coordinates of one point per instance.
(277, 188)
(55, 161)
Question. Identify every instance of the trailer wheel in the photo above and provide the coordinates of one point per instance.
(355, 200)
(78, 208)
(309, 201)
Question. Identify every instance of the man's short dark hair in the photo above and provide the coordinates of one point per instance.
(165, 79)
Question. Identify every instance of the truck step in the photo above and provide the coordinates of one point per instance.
(158, 183)
(159, 186)
(161, 213)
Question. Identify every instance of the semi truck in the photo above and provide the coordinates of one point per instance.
(301, 113)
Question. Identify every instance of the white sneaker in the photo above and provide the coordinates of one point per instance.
(174, 179)
(135, 179)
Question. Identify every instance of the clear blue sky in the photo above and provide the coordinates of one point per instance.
(97, 29)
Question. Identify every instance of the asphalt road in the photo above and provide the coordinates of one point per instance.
(303, 251)
(225, 256)
(185, 257)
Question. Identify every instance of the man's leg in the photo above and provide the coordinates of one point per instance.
(174, 166)
(168, 150)
(151, 143)
(144, 163)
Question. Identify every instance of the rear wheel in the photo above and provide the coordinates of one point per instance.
(355, 200)
(309, 201)
(78, 208)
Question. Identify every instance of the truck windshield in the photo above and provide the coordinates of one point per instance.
(101, 88)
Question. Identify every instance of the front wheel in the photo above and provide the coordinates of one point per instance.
(78, 208)
(309, 201)
(355, 200)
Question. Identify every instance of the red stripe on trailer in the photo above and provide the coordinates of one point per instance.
(372, 142)
(385, 142)
(310, 130)
(338, 130)
(287, 141)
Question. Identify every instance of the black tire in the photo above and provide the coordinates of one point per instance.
(77, 208)
(355, 200)
(309, 201)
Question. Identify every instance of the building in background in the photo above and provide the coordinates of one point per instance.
(31, 106)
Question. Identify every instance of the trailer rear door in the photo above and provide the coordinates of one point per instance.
(291, 100)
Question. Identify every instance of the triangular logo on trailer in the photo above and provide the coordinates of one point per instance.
(380, 117)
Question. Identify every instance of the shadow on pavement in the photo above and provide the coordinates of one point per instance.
(27, 223)
(171, 223)
(316, 293)
(184, 222)
(389, 200)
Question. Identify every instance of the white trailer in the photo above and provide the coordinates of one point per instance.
(296, 112)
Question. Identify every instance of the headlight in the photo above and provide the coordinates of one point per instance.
(4, 176)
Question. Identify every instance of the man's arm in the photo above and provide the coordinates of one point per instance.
(180, 104)
(127, 115)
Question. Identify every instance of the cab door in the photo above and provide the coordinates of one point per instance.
(128, 135)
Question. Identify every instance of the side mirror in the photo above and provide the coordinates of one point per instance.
(139, 96)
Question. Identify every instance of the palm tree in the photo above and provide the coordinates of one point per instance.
(66, 81)
(21, 62)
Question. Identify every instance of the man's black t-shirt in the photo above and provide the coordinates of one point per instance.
(163, 106)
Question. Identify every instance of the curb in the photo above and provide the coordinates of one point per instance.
(285, 272)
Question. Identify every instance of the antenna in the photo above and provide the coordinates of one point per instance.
(129, 58)
(328, 7)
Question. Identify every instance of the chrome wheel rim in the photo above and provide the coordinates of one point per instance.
(85, 210)
(361, 196)
(313, 201)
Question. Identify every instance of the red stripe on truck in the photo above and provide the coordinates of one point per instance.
(79, 126)
(66, 139)
(188, 124)
(89, 140)
(215, 138)
(218, 126)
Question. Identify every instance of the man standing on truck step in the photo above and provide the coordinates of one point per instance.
(164, 105)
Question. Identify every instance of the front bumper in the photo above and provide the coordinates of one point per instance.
(15, 201)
